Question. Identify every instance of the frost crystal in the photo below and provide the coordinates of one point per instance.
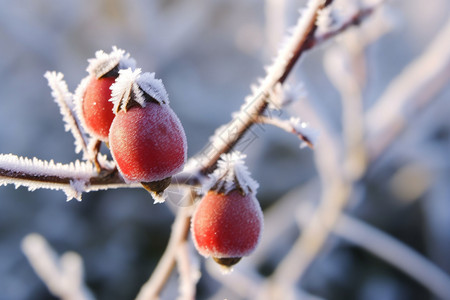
(305, 130)
(134, 86)
(325, 20)
(126, 89)
(104, 62)
(153, 87)
(283, 95)
(65, 101)
(231, 174)
(33, 173)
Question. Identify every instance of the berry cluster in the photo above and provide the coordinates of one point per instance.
(130, 112)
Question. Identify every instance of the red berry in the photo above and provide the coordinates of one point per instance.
(148, 143)
(227, 226)
(97, 110)
(93, 94)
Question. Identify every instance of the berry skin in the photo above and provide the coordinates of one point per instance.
(227, 226)
(148, 143)
(97, 110)
(93, 95)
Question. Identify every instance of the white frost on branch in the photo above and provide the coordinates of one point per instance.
(231, 173)
(65, 101)
(33, 172)
(326, 20)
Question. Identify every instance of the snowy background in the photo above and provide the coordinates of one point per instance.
(208, 53)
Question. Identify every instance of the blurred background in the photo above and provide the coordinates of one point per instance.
(208, 53)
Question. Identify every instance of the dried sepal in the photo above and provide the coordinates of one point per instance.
(135, 88)
(231, 174)
(109, 64)
(307, 133)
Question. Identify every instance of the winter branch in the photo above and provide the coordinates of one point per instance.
(62, 275)
(303, 38)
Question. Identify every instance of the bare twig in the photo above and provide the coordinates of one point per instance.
(63, 276)
(188, 270)
(413, 89)
(395, 253)
(180, 229)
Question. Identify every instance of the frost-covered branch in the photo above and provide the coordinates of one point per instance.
(354, 19)
(295, 126)
(73, 179)
(300, 40)
(62, 275)
(256, 103)
(64, 99)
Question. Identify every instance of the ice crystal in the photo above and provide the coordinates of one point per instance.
(125, 89)
(65, 101)
(35, 174)
(105, 62)
(153, 87)
(231, 174)
(134, 86)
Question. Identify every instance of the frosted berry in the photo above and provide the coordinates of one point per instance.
(227, 223)
(227, 226)
(146, 138)
(95, 109)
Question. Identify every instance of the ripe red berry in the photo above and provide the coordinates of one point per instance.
(95, 110)
(146, 138)
(228, 222)
(227, 226)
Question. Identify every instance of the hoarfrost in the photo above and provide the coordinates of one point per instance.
(65, 101)
(125, 88)
(34, 173)
(104, 62)
(231, 173)
(153, 87)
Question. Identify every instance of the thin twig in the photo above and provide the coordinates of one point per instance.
(180, 229)
(396, 253)
(257, 103)
(188, 270)
(337, 189)
(413, 89)
(62, 275)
